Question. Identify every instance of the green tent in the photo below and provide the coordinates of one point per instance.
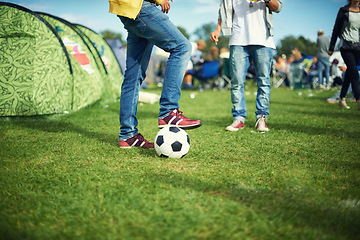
(108, 58)
(89, 74)
(32, 61)
(50, 65)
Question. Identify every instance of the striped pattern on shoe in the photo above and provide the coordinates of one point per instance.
(176, 118)
(136, 141)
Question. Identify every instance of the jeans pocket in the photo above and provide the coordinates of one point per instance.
(136, 26)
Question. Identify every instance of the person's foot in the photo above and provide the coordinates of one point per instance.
(136, 141)
(351, 99)
(261, 124)
(235, 126)
(333, 99)
(342, 103)
(176, 118)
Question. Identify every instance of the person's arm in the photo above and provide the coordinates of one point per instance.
(214, 36)
(336, 31)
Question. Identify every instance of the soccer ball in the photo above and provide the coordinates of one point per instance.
(172, 142)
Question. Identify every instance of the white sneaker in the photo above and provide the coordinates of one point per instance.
(261, 124)
(235, 126)
(342, 103)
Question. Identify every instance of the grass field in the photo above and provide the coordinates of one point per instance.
(64, 176)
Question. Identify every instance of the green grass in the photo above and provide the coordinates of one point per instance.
(64, 176)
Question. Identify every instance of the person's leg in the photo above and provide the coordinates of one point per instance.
(239, 63)
(351, 72)
(159, 30)
(262, 57)
(327, 71)
(138, 55)
(355, 80)
(320, 67)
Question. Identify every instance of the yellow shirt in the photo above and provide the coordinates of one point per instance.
(127, 8)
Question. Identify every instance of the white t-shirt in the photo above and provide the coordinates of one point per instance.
(249, 24)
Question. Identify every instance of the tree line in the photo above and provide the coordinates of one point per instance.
(286, 45)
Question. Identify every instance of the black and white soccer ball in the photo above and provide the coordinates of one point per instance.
(172, 142)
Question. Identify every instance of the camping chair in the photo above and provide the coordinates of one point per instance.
(296, 75)
(278, 77)
(224, 79)
(208, 70)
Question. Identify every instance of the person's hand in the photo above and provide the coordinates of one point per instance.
(214, 36)
(330, 52)
(165, 6)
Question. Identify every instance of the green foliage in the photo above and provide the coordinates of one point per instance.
(286, 45)
(64, 176)
(183, 31)
(203, 33)
(302, 44)
(107, 34)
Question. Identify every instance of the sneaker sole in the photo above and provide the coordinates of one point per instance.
(129, 146)
(125, 147)
(187, 127)
(232, 129)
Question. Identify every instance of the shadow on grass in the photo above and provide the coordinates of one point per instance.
(299, 209)
(46, 125)
(314, 130)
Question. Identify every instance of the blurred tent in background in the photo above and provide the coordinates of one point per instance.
(119, 51)
(48, 65)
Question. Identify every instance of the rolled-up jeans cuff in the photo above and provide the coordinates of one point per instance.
(242, 119)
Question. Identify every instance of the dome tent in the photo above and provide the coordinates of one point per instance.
(32, 60)
(89, 74)
(109, 60)
(87, 79)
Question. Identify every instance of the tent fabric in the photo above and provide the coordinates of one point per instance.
(88, 78)
(48, 65)
(108, 58)
(32, 60)
(119, 52)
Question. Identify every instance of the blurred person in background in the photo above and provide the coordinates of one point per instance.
(323, 59)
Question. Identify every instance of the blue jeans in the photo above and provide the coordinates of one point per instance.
(239, 64)
(151, 27)
(323, 62)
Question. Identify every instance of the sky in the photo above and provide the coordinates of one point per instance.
(297, 18)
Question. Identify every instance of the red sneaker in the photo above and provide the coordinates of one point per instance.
(176, 118)
(235, 126)
(136, 141)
